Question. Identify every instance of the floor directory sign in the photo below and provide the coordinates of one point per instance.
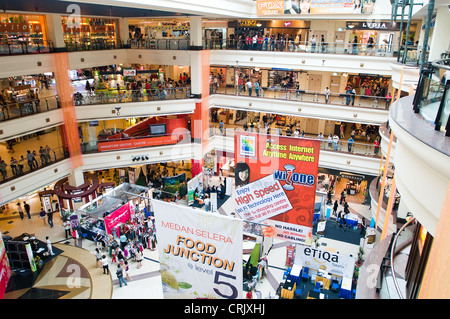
(200, 253)
(275, 179)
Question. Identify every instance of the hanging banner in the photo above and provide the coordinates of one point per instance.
(275, 178)
(305, 7)
(333, 263)
(200, 253)
(120, 215)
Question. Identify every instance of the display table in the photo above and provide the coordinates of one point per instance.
(351, 220)
(295, 273)
(315, 295)
(287, 292)
(346, 288)
(326, 279)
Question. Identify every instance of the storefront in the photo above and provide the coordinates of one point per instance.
(157, 29)
(382, 33)
(370, 84)
(23, 33)
(90, 33)
(355, 185)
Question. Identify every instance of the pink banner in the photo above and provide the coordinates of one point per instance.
(5, 269)
(120, 215)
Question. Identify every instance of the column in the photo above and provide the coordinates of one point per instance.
(439, 40)
(123, 30)
(200, 69)
(196, 33)
(55, 31)
(76, 178)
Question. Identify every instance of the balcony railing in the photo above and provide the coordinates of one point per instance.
(159, 44)
(384, 50)
(93, 46)
(432, 98)
(24, 166)
(21, 47)
(347, 98)
(128, 96)
(28, 107)
(326, 144)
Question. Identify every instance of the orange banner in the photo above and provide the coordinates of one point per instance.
(135, 143)
(64, 90)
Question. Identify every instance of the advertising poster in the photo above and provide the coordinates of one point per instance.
(275, 179)
(305, 7)
(200, 253)
(5, 269)
(120, 215)
(333, 263)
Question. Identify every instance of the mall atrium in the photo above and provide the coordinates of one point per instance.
(111, 107)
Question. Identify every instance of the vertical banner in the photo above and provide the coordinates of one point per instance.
(120, 215)
(5, 269)
(275, 178)
(64, 89)
(200, 253)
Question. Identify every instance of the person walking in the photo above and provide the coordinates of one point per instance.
(119, 274)
(327, 94)
(49, 246)
(98, 257)
(139, 259)
(75, 236)
(126, 269)
(50, 217)
(27, 209)
(335, 207)
(257, 88)
(66, 226)
(42, 214)
(105, 265)
(20, 210)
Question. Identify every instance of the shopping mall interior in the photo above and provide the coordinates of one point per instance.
(119, 109)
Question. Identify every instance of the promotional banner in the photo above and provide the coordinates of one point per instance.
(5, 269)
(305, 7)
(120, 215)
(200, 253)
(333, 263)
(275, 179)
(260, 200)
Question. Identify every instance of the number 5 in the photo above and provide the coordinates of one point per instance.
(234, 293)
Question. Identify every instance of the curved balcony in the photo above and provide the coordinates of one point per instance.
(422, 159)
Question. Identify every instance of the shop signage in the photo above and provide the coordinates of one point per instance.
(200, 253)
(292, 164)
(352, 176)
(136, 142)
(15, 27)
(316, 259)
(247, 23)
(129, 72)
(366, 25)
(306, 7)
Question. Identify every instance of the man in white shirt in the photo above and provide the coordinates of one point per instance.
(327, 94)
(49, 246)
(207, 202)
(335, 142)
(313, 44)
(249, 85)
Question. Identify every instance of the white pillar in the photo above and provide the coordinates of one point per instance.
(76, 178)
(55, 30)
(196, 73)
(196, 32)
(440, 41)
(124, 33)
